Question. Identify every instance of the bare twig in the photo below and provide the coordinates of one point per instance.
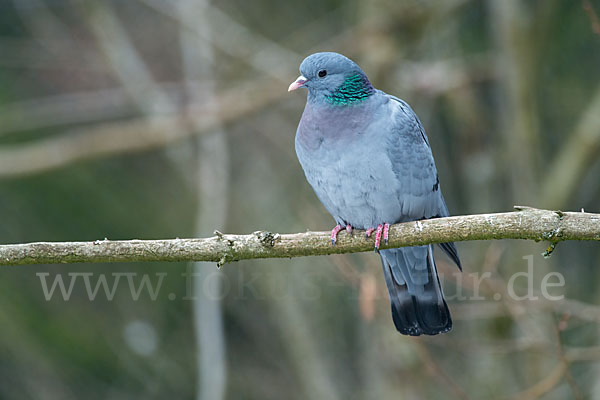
(532, 224)
(589, 9)
(65, 109)
(46, 28)
(263, 54)
(212, 184)
(545, 385)
(139, 134)
(567, 170)
(580, 310)
(89, 143)
(437, 371)
(126, 62)
(583, 354)
(576, 391)
(52, 54)
(517, 103)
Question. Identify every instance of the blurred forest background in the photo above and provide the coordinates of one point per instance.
(161, 119)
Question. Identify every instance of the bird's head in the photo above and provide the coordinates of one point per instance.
(333, 78)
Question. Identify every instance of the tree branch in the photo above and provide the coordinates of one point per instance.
(526, 223)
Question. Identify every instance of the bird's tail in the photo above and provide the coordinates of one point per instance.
(418, 305)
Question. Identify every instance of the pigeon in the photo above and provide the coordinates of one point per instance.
(367, 157)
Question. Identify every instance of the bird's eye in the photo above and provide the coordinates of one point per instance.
(322, 73)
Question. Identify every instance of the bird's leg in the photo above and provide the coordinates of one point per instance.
(349, 229)
(369, 232)
(386, 231)
(378, 236)
(334, 233)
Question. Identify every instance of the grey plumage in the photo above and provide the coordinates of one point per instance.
(368, 159)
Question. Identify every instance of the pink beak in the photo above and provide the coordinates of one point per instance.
(297, 83)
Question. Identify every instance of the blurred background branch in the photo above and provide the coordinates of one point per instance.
(212, 186)
(574, 158)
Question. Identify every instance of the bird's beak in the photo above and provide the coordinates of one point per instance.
(297, 83)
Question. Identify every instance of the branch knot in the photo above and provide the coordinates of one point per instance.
(267, 238)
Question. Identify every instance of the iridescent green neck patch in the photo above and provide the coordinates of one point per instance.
(356, 88)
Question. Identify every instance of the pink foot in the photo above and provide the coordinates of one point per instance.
(349, 229)
(334, 233)
(378, 236)
(380, 231)
(386, 231)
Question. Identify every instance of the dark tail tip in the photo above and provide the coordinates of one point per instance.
(422, 317)
(418, 305)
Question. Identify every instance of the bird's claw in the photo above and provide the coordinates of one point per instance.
(386, 232)
(337, 229)
(380, 231)
(334, 233)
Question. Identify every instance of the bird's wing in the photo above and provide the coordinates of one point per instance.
(420, 195)
(413, 165)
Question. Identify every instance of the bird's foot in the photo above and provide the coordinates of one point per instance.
(334, 233)
(337, 229)
(369, 232)
(386, 232)
(381, 231)
(378, 233)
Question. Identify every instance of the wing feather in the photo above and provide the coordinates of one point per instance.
(419, 191)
